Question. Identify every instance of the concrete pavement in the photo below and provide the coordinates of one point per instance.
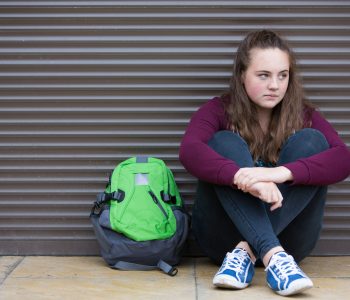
(43, 277)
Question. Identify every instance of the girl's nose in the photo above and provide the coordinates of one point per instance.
(273, 84)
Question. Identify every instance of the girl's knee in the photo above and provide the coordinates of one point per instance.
(230, 145)
(304, 143)
(225, 137)
(313, 138)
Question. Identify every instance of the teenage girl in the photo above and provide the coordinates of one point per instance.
(264, 157)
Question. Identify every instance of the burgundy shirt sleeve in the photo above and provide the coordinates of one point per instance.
(327, 167)
(196, 156)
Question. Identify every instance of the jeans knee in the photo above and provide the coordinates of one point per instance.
(224, 137)
(230, 145)
(304, 143)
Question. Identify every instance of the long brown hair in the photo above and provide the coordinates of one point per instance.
(241, 113)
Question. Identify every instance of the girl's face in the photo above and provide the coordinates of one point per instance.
(267, 76)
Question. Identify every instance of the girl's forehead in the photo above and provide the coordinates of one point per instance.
(268, 58)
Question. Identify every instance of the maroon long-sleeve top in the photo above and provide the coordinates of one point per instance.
(327, 167)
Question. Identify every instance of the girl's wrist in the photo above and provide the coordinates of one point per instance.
(286, 173)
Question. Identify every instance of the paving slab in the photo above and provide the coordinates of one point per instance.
(36, 278)
(89, 278)
(335, 267)
(7, 265)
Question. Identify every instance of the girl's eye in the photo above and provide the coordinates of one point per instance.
(263, 76)
(283, 76)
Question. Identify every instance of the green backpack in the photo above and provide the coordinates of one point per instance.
(139, 220)
(142, 195)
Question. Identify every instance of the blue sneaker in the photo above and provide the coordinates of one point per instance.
(236, 271)
(284, 276)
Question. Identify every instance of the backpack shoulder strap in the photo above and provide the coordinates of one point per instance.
(162, 265)
(174, 193)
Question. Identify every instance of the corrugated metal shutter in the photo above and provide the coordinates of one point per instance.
(86, 84)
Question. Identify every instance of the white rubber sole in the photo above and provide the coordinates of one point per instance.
(228, 282)
(296, 287)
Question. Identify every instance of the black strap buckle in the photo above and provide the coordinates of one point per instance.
(167, 198)
(118, 195)
(104, 197)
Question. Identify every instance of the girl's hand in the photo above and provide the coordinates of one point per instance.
(267, 192)
(246, 177)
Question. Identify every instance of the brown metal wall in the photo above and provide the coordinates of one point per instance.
(86, 84)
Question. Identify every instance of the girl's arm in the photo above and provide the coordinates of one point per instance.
(196, 156)
(327, 167)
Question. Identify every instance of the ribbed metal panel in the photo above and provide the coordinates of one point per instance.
(86, 84)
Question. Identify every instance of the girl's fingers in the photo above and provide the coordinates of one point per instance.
(273, 207)
(245, 183)
(276, 205)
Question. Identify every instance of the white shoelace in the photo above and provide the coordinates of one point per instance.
(235, 261)
(285, 266)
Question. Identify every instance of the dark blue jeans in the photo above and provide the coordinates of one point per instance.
(224, 216)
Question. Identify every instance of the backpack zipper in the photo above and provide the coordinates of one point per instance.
(156, 201)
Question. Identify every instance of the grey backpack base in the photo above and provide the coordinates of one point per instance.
(123, 253)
